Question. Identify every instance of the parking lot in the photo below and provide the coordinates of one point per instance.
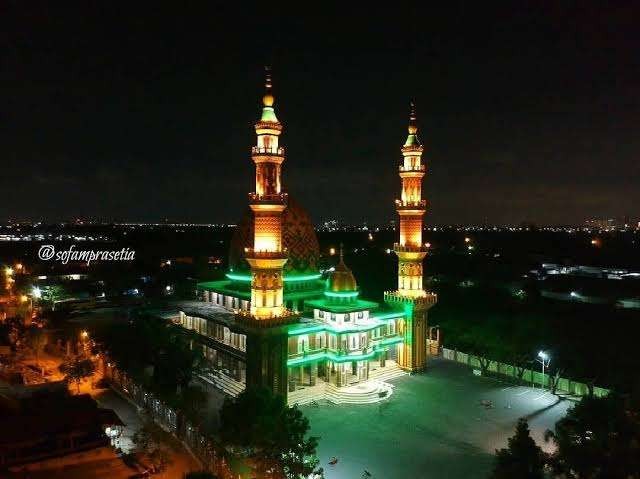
(444, 423)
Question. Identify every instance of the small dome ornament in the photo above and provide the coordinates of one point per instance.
(342, 279)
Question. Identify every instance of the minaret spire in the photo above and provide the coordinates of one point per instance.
(412, 137)
(268, 112)
(267, 74)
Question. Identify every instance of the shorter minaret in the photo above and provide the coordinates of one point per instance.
(268, 202)
(411, 252)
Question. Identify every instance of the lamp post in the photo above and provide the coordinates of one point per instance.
(544, 359)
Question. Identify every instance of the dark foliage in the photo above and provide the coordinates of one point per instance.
(599, 438)
(260, 427)
(522, 458)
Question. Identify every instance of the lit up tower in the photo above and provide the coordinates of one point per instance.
(411, 251)
(267, 257)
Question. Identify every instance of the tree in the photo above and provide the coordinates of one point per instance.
(37, 339)
(260, 427)
(188, 404)
(150, 344)
(599, 438)
(522, 459)
(76, 369)
(154, 442)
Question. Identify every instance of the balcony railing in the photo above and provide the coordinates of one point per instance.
(396, 296)
(287, 317)
(411, 205)
(264, 254)
(277, 198)
(267, 150)
(412, 168)
(409, 248)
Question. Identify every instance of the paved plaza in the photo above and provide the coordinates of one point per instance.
(445, 423)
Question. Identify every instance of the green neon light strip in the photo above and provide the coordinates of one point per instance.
(310, 329)
(333, 357)
(287, 279)
(333, 329)
(354, 329)
(346, 294)
(387, 342)
(388, 316)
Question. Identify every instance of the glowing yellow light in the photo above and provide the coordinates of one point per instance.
(467, 240)
(84, 334)
(8, 271)
(332, 251)
(18, 266)
(23, 298)
(427, 245)
(266, 243)
(370, 237)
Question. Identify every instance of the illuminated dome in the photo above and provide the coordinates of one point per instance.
(342, 279)
(298, 237)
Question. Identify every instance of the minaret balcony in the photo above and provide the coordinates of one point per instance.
(411, 205)
(265, 126)
(267, 150)
(285, 317)
(270, 199)
(412, 149)
(408, 248)
(408, 169)
(418, 298)
(251, 253)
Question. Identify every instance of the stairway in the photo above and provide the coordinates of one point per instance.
(226, 384)
(389, 372)
(306, 395)
(369, 392)
(375, 391)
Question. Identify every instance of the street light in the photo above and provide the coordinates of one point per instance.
(544, 359)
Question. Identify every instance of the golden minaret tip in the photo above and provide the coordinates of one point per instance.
(267, 99)
(413, 127)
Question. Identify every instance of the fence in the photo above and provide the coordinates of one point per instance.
(533, 377)
(210, 454)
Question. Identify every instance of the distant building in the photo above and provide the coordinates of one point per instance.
(601, 223)
(44, 422)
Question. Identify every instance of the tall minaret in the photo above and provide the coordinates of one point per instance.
(411, 251)
(267, 256)
(411, 208)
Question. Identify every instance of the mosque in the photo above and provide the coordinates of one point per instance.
(277, 321)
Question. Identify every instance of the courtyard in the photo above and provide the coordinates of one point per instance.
(445, 423)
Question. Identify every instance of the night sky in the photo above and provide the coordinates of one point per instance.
(529, 111)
